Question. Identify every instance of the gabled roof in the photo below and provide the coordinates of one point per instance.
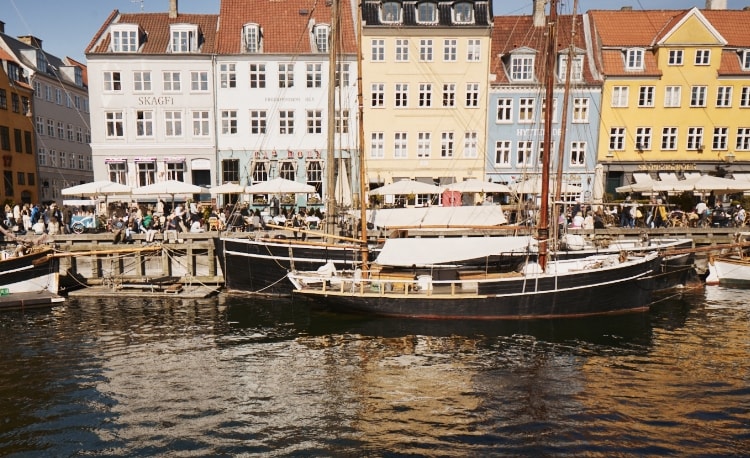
(632, 28)
(285, 25)
(514, 33)
(156, 30)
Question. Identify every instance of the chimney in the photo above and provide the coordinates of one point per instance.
(2, 27)
(540, 18)
(626, 8)
(31, 40)
(716, 4)
(172, 9)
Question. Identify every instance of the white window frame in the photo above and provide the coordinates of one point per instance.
(229, 122)
(228, 75)
(424, 145)
(472, 95)
(471, 145)
(634, 58)
(504, 110)
(201, 123)
(720, 140)
(743, 139)
(524, 153)
(401, 95)
(694, 139)
(377, 95)
(425, 95)
(526, 110)
(616, 139)
(447, 145)
(672, 96)
(258, 122)
(377, 145)
(724, 96)
(698, 96)
(449, 95)
(473, 50)
(450, 50)
(669, 136)
(144, 123)
(425, 50)
(172, 81)
(620, 96)
(173, 123)
(199, 81)
(577, 157)
(401, 50)
(115, 124)
(646, 96)
(581, 110)
(142, 81)
(251, 38)
(400, 145)
(702, 57)
(522, 68)
(112, 82)
(643, 138)
(377, 50)
(286, 122)
(503, 151)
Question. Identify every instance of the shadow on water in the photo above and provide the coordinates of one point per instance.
(300, 318)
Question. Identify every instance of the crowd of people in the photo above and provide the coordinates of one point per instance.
(126, 219)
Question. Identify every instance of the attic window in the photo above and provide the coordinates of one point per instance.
(745, 56)
(390, 13)
(251, 38)
(41, 61)
(124, 38)
(576, 73)
(522, 68)
(634, 59)
(184, 38)
(321, 33)
(427, 13)
(463, 13)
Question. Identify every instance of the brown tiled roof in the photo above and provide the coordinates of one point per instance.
(626, 28)
(156, 29)
(613, 64)
(514, 32)
(284, 24)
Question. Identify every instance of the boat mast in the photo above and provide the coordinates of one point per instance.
(563, 123)
(330, 216)
(361, 133)
(543, 227)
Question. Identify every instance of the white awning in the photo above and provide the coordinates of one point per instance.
(472, 215)
(429, 251)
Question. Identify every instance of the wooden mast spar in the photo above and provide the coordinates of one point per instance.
(543, 227)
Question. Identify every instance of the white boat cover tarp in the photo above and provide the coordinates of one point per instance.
(428, 251)
(475, 215)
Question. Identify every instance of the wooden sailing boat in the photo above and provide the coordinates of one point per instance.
(407, 284)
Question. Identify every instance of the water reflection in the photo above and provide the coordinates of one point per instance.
(230, 376)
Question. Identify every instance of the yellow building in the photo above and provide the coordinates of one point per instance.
(676, 94)
(425, 74)
(18, 163)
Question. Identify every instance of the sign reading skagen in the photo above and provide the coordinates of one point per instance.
(655, 166)
(163, 100)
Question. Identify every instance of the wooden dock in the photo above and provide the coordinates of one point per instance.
(27, 301)
(191, 264)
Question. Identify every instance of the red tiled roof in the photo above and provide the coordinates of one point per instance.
(514, 32)
(644, 28)
(156, 28)
(284, 24)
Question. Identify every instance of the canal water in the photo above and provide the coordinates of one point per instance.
(235, 376)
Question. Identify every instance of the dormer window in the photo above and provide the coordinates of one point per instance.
(634, 59)
(390, 13)
(78, 76)
(41, 61)
(522, 68)
(576, 73)
(251, 38)
(427, 13)
(184, 38)
(745, 59)
(463, 13)
(124, 38)
(321, 33)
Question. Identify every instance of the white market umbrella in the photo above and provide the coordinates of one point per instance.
(280, 186)
(406, 187)
(96, 188)
(707, 183)
(475, 185)
(169, 187)
(227, 188)
(534, 186)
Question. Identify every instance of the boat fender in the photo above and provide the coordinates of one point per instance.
(572, 242)
(327, 270)
(623, 256)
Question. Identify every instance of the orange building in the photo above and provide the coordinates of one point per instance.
(17, 148)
